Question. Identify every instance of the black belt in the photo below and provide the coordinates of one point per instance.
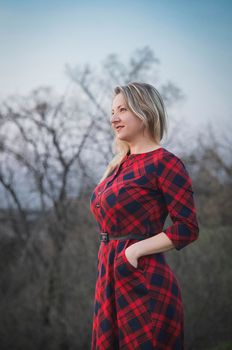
(105, 237)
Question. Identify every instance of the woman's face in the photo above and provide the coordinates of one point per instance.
(131, 125)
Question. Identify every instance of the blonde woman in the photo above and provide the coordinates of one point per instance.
(138, 303)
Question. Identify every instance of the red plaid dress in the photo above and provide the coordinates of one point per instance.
(140, 308)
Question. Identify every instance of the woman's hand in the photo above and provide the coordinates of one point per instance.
(131, 255)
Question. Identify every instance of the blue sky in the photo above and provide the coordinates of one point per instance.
(192, 40)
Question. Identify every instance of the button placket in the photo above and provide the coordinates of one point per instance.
(105, 186)
(98, 199)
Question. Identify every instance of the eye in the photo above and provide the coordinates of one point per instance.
(122, 108)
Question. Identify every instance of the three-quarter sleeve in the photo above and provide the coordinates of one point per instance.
(175, 185)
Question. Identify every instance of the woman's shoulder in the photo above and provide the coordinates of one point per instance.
(171, 167)
(164, 155)
(167, 159)
(167, 155)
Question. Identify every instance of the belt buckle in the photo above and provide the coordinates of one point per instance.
(105, 237)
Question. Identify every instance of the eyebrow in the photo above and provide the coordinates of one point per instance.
(118, 107)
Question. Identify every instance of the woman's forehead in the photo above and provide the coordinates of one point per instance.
(118, 101)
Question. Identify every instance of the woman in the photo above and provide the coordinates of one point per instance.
(138, 303)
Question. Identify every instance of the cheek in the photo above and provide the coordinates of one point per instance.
(133, 122)
(137, 126)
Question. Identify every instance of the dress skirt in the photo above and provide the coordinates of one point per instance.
(137, 308)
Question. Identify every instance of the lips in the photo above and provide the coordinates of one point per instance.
(119, 127)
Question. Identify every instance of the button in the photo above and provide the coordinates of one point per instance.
(98, 205)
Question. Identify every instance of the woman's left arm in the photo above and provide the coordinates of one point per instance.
(175, 184)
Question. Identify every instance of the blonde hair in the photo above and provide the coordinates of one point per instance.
(146, 103)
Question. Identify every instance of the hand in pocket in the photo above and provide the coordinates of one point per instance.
(131, 257)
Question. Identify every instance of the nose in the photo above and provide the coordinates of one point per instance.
(113, 117)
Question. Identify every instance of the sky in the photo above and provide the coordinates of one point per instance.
(192, 40)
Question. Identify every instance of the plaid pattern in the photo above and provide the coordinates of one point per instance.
(141, 308)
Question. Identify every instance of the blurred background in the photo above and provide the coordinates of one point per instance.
(60, 61)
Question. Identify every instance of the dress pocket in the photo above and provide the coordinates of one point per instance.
(140, 262)
(124, 266)
(132, 299)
